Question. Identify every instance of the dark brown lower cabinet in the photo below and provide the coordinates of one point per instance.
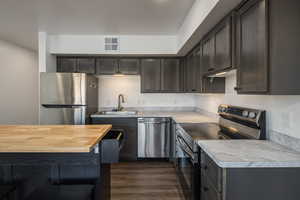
(247, 183)
(129, 125)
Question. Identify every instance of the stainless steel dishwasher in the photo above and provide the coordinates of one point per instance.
(153, 137)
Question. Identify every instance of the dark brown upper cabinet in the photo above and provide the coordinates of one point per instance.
(150, 75)
(252, 48)
(208, 54)
(106, 66)
(76, 65)
(218, 48)
(170, 75)
(111, 66)
(86, 65)
(268, 46)
(129, 66)
(223, 45)
(192, 72)
(67, 65)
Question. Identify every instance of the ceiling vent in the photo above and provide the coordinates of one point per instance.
(111, 44)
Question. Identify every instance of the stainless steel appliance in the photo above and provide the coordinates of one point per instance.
(67, 98)
(234, 123)
(153, 137)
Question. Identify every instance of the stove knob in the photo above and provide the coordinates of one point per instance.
(252, 115)
(245, 113)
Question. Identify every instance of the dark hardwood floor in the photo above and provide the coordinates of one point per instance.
(144, 181)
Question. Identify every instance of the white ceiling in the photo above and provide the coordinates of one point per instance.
(22, 19)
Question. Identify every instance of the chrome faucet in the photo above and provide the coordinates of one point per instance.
(120, 97)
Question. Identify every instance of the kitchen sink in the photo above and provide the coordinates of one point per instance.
(124, 112)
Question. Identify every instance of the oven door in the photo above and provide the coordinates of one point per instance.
(187, 170)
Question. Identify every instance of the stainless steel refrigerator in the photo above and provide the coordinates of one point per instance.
(67, 98)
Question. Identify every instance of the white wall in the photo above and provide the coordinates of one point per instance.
(129, 44)
(196, 15)
(47, 61)
(283, 112)
(110, 87)
(18, 85)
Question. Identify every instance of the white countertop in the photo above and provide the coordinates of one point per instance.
(178, 116)
(249, 154)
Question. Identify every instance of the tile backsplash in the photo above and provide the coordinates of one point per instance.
(283, 112)
(130, 86)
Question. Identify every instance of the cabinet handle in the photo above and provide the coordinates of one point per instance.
(237, 88)
(193, 90)
(211, 69)
(205, 189)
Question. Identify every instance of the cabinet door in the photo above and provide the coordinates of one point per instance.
(208, 54)
(129, 66)
(188, 74)
(170, 75)
(252, 48)
(223, 57)
(192, 73)
(67, 65)
(150, 75)
(106, 66)
(86, 65)
(198, 69)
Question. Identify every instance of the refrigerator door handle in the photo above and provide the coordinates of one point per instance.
(62, 106)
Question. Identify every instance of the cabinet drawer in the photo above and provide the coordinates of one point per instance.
(208, 192)
(211, 171)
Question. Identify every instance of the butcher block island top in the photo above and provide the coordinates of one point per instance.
(50, 138)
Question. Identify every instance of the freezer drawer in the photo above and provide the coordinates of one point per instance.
(74, 115)
(153, 137)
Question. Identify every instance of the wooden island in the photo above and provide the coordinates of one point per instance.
(53, 162)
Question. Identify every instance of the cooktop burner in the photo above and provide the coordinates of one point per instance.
(202, 131)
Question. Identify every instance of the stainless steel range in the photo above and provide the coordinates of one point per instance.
(234, 123)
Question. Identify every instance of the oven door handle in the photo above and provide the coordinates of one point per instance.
(185, 148)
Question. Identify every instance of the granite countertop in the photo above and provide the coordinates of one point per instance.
(249, 154)
(178, 116)
(51, 138)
